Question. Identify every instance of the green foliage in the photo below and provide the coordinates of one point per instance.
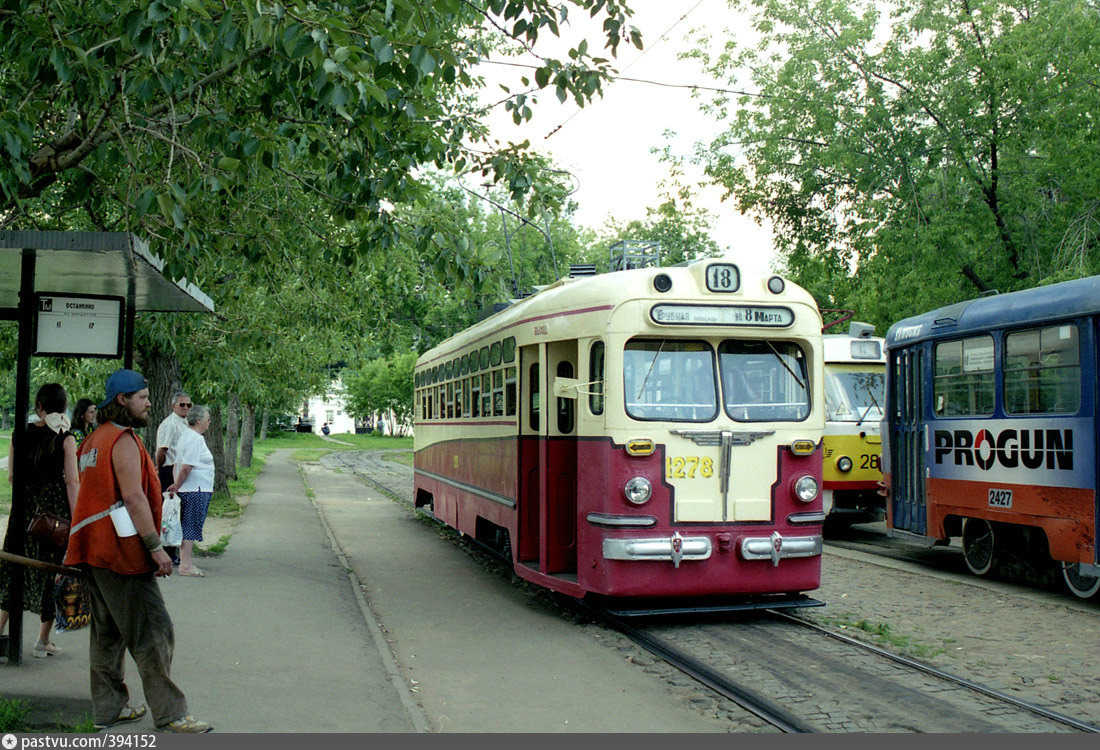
(911, 154)
(681, 230)
(380, 385)
(13, 715)
(274, 156)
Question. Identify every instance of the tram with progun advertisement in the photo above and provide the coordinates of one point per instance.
(641, 436)
(991, 430)
(855, 384)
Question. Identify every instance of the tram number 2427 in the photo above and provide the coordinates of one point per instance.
(689, 467)
(1000, 498)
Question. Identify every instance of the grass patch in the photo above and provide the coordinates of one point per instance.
(374, 442)
(214, 549)
(13, 715)
(883, 635)
(405, 457)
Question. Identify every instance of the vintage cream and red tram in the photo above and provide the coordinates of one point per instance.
(648, 433)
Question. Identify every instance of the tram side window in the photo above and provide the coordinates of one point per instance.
(535, 405)
(669, 380)
(465, 397)
(486, 395)
(450, 400)
(457, 400)
(510, 391)
(475, 395)
(498, 393)
(1042, 372)
(595, 378)
(962, 381)
(566, 406)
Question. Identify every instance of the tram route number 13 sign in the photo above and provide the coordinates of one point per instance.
(87, 326)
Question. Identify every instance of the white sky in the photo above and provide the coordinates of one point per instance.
(606, 145)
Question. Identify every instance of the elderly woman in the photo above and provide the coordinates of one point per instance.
(194, 483)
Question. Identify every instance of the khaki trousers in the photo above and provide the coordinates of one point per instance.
(128, 613)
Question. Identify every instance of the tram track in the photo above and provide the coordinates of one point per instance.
(841, 692)
(749, 661)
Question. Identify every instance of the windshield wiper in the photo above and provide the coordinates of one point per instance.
(650, 370)
(874, 403)
(785, 365)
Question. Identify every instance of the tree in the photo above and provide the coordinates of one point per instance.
(931, 154)
(381, 385)
(263, 149)
(681, 229)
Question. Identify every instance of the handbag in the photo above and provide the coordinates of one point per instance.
(73, 604)
(50, 528)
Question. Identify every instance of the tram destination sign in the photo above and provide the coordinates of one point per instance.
(722, 315)
(87, 326)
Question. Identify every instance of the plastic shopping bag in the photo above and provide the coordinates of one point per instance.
(171, 528)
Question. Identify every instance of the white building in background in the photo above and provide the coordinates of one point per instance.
(330, 408)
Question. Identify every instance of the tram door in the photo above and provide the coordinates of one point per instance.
(908, 505)
(532, 427)
(560, 508)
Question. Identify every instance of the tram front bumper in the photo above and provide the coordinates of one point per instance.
(678, 548)
(778, 547)
(674, 548)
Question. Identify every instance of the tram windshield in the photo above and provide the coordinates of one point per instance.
(764, 381)
(853, 395)
(674, 380)
(669, 380)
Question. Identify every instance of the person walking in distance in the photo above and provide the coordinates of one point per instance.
(128, 611)
(168, 435)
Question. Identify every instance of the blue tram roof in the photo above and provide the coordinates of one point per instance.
(1063, 300)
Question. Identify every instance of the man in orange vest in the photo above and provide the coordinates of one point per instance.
(116, 472)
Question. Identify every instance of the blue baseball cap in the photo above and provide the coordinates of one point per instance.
(123, 381)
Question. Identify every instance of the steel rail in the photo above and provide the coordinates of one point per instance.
(752, 702)
(941, 674)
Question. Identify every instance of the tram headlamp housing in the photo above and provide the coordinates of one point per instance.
(776, 285)
(638, 490)
(806, 489)
(662, 282)
(844, 464)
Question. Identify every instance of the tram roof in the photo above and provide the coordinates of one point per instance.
(1046, 303)
(606, 291)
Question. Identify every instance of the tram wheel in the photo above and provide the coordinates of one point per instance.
(1081, 585)
(980, 546)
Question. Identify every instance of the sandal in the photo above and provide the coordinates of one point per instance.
(42, 650)
(192, 571)
(126, 715)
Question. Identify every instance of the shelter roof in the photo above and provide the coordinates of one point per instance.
(94, 263)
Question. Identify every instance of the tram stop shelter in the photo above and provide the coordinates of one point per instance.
(74, 294)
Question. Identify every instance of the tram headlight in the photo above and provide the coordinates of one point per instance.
(806, 489)
(662, 282)
(844, 464)
(776, 285)
(638, 490)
